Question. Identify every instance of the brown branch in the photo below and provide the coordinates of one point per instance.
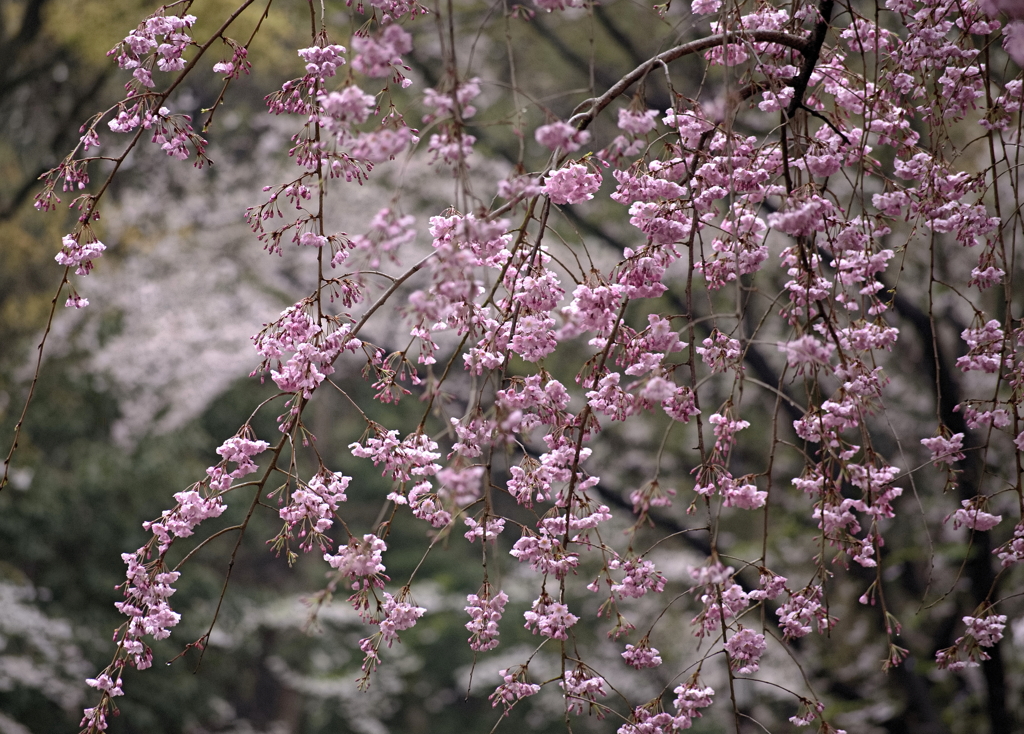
(811, 55)
(583, 119)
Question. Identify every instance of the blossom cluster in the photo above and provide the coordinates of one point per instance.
(710, 216)
(160, 40)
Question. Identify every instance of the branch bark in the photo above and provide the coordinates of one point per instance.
(583, 119)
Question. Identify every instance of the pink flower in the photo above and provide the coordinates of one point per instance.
(720, 352)
(398, 616)
(681, 406)
(549, 618)
(771, 586)
(805, 352)
(416, 455)
(443, 104)
(945, 451)
(985, 344)
(322, 62)
(644, 721)
(704, 7)
(94, 718)
(545, 554)
(974, 518)
(610, 399)
(642, 656)
(514, 688)
(1013, 8)
(313, 506)
(637, 123)
(1012, 551)
(561, 135)
(580, 687)
(350, 106)
(745, 648)
(689, 698)
(181, 522)
(722, 597)
(360, 562)
(572, 184)
(641, 578)
(725, 429)
(976, 419)
(79, 255)
(746, 496)
(106, 684)
(987, 277)
(377, 57)
(986, 630)
(803, 610)
(1013, 37)
(802, 218)
(484, 613)
(775, 101)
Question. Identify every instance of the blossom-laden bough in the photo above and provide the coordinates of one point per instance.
(843, 171)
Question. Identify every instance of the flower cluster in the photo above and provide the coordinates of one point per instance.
(360, 562)
(399, 615)
(945, 450)
(451, 144)
(560, 135)
(498, 290)
(974, 517)
(801, 611)
(640, 578)
(240, 451)
(146, 593)
(572, 184)
(160, 40)
(722, 597)
(484, 613)
(192, 509)
(312, 506)
(79, 255)
(381, 56)
(313, 350)
(966, 652)
(745, 649)
(642, 655)
(414, 456)
(583, 687)
(513, 689)
(549, 618)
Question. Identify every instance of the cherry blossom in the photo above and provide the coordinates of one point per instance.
(485, 613)
(513, 689)
(549, 618)
(642, 655)
(572, 185)
(399, 615)
(945, 450)
(79, 255)
(545, 346)
(560, 135)
(975, 518)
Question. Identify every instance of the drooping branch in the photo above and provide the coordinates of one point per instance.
(583, 119)
(979, 564)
